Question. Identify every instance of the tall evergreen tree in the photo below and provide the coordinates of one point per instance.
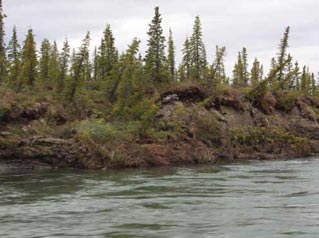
(3, 63)
(313, 89)
(95, 64)
(28, 72)
(282, 56)
(107, 55)
(185, 69)
(85, 51)
(44, 62)
(305, 80)
(129, 81)
(197, 52)
(155, 54)
(75, 73)
(245, 72)
(54, 71)
(114, 80)
(218, 75)
(256, 74)
(80, 68)
(64, 64)
(288, 80)
(296, 78)
(14, 58)
(171, 56)
(238, 71)
(181, 77)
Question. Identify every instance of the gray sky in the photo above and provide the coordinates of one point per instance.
(255, 24)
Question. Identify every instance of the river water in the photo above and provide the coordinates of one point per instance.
(247, 200)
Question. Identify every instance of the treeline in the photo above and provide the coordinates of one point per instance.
(125, 78)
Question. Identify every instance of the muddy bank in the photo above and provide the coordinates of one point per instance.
(189, 128)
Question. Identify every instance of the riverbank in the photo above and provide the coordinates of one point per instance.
(189, 127)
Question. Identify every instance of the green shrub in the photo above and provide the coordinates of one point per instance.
(175, 127)
(98, 131)
(209, 130)
(286, 101)
(139, 111)
(253, 136)
(167, 129)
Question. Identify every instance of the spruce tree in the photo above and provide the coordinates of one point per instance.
(313, 89)
(75, 73)
(245, 76)
(107, 55)
(44, 62)
(181, 73)
(64, 64)
(288, 80)
(95, 64)
(309, 81)
(185, 69)
(238, 71)
(296, 78)
(113, 81)
(28, 72)
(282, 57)
(197, 52)
(85, 51)
(256, 74)
(155, 54)
(14, 58)
(273, 71)
(79, 68)
(304, 80)
(218, 75)
(54, 71)
(131, 104)
(3, 62)
(129, 78)
(171, 56)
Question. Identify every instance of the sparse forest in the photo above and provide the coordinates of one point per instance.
(70, 74)
(120, 105)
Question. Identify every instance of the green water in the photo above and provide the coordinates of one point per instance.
(250, 200)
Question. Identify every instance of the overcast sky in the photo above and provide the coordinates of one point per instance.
(255, 24)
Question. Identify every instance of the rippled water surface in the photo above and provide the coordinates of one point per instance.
(250, 200)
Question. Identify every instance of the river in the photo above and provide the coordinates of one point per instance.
(255, 199)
